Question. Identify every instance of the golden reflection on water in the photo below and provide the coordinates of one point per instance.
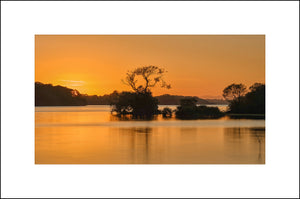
(142, 144)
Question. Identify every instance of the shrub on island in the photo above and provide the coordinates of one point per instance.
(188, 109)
(136, 104)
(166, 112)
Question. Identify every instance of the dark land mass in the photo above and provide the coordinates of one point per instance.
(49, 95)
(162, 99)
(175, 100)
(217, 101)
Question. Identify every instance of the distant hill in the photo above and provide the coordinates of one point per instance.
(175, 99)
(217, 101)
(49, 95)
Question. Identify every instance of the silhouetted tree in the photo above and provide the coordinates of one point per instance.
(252, 102)
(166, 112)
(234, 92)
(152, 75)
(140, 103)
(256, 86)
(136, 104)
(123, 104)
(255, 99)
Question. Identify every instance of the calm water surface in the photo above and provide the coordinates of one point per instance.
(91, 135)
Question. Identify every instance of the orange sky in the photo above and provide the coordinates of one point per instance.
(197, 65)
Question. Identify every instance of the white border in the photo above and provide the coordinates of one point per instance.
(279, 21)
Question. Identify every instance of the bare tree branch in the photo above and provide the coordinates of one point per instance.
(151, 74)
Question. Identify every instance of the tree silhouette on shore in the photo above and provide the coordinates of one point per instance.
(241, 102)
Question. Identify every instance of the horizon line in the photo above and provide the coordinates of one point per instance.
(215, 98)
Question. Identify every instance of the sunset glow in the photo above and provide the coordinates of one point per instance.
(197, 65)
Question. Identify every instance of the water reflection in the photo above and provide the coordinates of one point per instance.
(247, 142)
(188, 133)
(248, 116)
(135, 141)
(259, 133)
(148, 145)
(131, 118)
(93, 136)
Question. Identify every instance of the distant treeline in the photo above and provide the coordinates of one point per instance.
(49, 95)
(162, 99)
(175, 100)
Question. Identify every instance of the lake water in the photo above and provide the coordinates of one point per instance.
(91, 135)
